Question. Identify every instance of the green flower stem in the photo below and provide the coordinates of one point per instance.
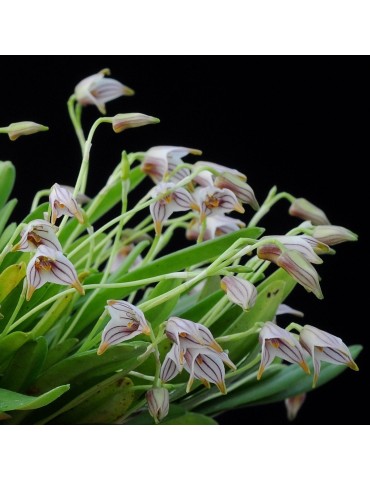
(149, 378)
(94, 286)
(202, 231)
(9, 245)
(152, 251)
(270, 200)
(238, 336)
(75, 116)
(245, 368)
(37, 198)
(20, 302)
(294, 326)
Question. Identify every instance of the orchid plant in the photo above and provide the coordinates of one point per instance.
(100, 326)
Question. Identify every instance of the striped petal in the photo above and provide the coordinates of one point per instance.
(301, 270)
(306, 210)
(52, 266)
(242, 190)
(62, 202)
(240, 291)
(206, 367)
(172, 364)
(299, 244)
(37, 233)
(333, 234)
(277, 342)
(322, 346)
(127, 322)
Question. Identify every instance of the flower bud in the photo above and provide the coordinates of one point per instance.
(333, 234)
(123, 121)
(306, 210)
(15, 130)
(158, 403)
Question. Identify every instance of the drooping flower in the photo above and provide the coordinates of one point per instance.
(62, 203)
(194, 349)
(127, 321)
(293, 263)
(168, 202)
(172, 364)
(277, 342)
(206, 366)
(298, 243)
(98, 90)
(217, 225)
(16, 130)
(123, 121)
(49, 265)
(37, 233)
(333, 234)
(240, 291)
(188, 334)
(222, 169)
(293, 405)
(158, 403)
(244, 192)
(160, 161)
(306, 210)
(215, 201)
(323, 346)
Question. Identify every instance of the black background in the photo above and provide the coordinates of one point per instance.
(298, 124)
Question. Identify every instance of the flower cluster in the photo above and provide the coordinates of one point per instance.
(214, 192)
(320, 345)
(194, 349)
(48, 263)
(223, 285)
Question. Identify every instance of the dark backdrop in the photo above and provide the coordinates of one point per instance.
(295, 124)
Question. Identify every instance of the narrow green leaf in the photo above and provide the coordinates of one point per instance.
(10, 278)
(82, 367)
(59, 352)
(289, 381)
(25, 365)
(17, 401)
(6, 235)
(5, 213)
(7, 179)
(191, 418)
(52, 315)
(101, 404)
(11, 343)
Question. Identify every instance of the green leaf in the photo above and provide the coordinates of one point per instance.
(7, 179)
(11, 343)
(52, 315)
(57, 353)
(173, 262)
(82, 367)
(191, 418)
(6, 235)
(5, 213)
(25, 365)
(17, 401)
(101, 404)
(288, 381)
(10, 278)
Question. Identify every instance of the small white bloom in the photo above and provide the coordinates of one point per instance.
(127, 321)
(277, 342)
(240, 291)
(49, 265)
(322, 346)
(37, 233)
(62, 203)
(98, 90)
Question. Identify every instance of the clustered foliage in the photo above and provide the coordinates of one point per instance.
(98, 326)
